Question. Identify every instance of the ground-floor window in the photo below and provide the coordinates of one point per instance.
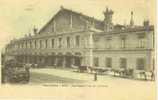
(96, 61)
(123, 63)
(108, 62)
(140, 63)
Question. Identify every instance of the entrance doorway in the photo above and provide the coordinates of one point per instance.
(77, 61)
(68, 59)
(60, 60)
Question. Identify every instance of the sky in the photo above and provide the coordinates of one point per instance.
(18, 17)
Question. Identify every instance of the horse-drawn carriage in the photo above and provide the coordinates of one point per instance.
(99, 70)
(119, 72)
(123, 72)
(15, 72)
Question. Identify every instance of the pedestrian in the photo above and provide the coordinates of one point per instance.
(152, 76)
(95, 76)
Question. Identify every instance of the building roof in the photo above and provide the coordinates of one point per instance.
(99, 25)
(129, 30)
(97, 22)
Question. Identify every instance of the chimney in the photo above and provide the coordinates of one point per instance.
(61, 7)
(131, 20)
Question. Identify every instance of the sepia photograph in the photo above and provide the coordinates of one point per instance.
(106, 45)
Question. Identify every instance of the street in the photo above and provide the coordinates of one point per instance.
(51, 75)
(39, 76)
(114, 86)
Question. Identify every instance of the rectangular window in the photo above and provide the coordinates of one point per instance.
(40, 43)
(123, 43)
(140, 64)
(46, 43)
(77, 41)
(19, 45)
(54, 26)
(96, 61)
(35, 44)
(68, 42)
(26, 44)
(108, 42)
(30, 44)
(52, 43)
(60, 39)
(141, 40)
(123, 63)
(108, 62)
(22, 46)
(141, 43)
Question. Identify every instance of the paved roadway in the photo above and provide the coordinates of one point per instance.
(116, 88)
(40, 76)
(50, 75)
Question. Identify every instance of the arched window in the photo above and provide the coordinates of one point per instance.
(35, 44)
(60, 45)
(46, 43)
(68, 42)
(52, 43)
(40, 43)
(77, 40)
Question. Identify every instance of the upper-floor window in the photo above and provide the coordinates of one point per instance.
(108, 42)
(123, 63)
(30, 44)
(60, 45)
(46, 43)
(19, 45)
(52, 43)
(54, 26)
(141, 40)
(27, 44)
(68, 42)
(22, 44)
(140, 63)
(35, 44)
(108, 62)
(77, 40)
(40, 43)
(123, 42)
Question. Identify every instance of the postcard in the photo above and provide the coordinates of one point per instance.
(78, 50)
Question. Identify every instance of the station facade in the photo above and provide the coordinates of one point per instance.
(72, 38)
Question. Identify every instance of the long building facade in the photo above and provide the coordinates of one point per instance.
(72, 38)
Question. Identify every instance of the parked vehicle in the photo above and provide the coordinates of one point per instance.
(15, 72)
